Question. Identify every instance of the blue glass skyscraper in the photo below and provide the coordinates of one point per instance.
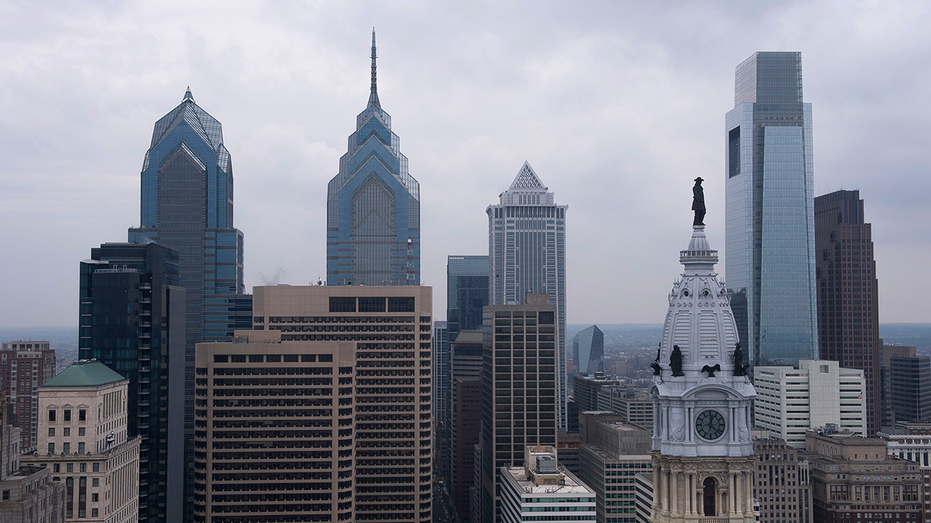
(770, 228)
(373, 206)
(187, 205)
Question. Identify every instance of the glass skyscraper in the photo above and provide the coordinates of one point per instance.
(527, 254)
(132, 318)
(770, 229)
(373, 206)
(187, 205)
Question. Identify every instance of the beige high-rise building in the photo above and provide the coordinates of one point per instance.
(83, 440)
(322, 412)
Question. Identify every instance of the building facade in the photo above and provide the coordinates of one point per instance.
(518, 391)
(541, 490)
(586, 390)
(632, 405)
(527, 254)
(782, 482)
(613, 454)
(187, 206)
(853, 479)
(466, 420)
(703, 458)
(24, 367)
(442, 400)
(27, 493)
(323, 412)
(466, 292)
(770, 225)
(848, 293)
(85, 442)
(588, 352)
(820, 393)
(133, 319)
(915, 446)
(373, 206)
(906, 384)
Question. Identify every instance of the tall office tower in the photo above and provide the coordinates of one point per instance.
(819, 393)
(782, 482)
(24, 367)
(612, 455)
(542, 484)
(588, 352)
(518, 391)
(703, 456)
(373, 206)
(466, 292)
(770, 225)
(323, 413)
(466, 295)
(84, 440)
(875, 487)
(441, 399)
(187, 205)
(466, 419)
(909, 384)
(28, 492)
(527, 254)
(848, 293)
(132, 318)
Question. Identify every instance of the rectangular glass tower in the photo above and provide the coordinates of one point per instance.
(770, 263)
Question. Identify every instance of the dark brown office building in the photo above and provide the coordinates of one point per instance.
(848, 292)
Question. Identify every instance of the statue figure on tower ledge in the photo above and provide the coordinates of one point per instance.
(698, 202)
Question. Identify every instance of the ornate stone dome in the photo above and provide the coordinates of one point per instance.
(701, 406)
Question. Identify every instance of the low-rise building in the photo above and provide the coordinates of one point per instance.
(541, 490)
(853, 479)
(83, 440)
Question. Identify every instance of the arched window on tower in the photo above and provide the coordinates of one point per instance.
(708, 498)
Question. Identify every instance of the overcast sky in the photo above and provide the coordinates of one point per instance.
(616, 105)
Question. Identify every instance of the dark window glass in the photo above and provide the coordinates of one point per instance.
(371, 305)
(546, 318)
(342, 304)
(401, 304)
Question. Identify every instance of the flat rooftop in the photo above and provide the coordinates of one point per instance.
(572, 485)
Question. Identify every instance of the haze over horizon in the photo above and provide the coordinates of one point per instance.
(617, 107)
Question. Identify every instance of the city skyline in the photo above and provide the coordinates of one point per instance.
(617, 106)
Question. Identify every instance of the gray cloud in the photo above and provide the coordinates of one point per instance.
(617, 105)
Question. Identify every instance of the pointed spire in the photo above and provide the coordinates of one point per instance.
(188, 95)
(373, 96)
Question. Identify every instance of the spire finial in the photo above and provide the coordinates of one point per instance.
(188, 95)
(373, 96)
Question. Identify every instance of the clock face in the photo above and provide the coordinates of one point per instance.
(710, 424)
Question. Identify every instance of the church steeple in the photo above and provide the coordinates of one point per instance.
(373, 95)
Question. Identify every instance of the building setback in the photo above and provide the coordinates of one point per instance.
(322, 412)
(133, 320)
(848, 293)
(24, 367)
(373, 206)
(527, 254)
(819, 393)
(85, 442)
(770, 228)
(518, 391)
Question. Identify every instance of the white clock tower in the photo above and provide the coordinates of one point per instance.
(703, 456)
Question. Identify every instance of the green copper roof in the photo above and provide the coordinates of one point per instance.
(84, 373)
